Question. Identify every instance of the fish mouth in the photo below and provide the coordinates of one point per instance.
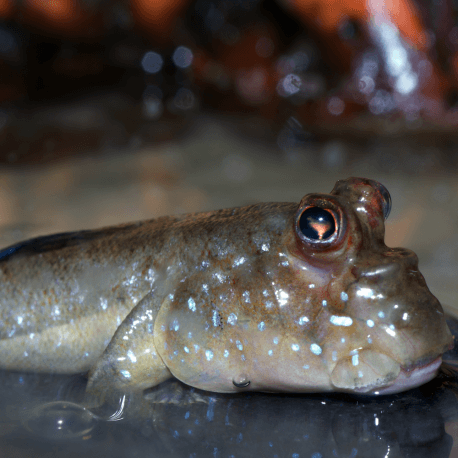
(411, 377)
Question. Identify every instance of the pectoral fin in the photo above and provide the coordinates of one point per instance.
(364, 372)
(130, 363)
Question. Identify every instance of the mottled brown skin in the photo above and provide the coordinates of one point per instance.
(224, 298)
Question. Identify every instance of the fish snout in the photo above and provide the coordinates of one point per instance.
(392, 299)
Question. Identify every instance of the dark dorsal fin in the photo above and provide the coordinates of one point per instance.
(57, 241)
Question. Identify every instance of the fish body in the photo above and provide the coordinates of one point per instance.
(269, 297)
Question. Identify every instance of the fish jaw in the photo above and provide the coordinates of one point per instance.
(377, 374)
(413, 378)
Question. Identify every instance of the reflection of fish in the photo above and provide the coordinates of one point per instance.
(246, 298)
(267, 425)
(174, 420)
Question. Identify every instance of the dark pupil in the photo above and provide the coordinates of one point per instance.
(317, 224)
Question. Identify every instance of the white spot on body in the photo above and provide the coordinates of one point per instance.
(186, 349)
(354, 360)
(344, 296)
(282, 297)
(191, 304)
(125, 374)
(239, 261)
(208, 354)
(232, 319)
(261, 326)
(390, 331)
(315, 349)
(295, 347)
(365, 292)
(131, 356)
(302, 320)
(370, 323)
(341, 320)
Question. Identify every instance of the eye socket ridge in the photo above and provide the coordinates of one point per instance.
(318, 225)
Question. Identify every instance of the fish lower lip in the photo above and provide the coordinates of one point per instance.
(412, 378)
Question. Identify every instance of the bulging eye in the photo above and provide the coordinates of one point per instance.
(317, 224)
(386, 200)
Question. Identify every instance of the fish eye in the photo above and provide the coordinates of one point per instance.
(317, 224)
(386, 200)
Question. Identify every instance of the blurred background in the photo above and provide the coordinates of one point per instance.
(117, 110)
(120, 110)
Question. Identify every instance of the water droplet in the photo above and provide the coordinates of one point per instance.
(60, 420)
(241, 381)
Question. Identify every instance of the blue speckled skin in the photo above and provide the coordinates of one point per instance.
(224, 298)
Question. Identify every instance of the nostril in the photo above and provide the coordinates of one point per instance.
(400, 253)
(407, 258)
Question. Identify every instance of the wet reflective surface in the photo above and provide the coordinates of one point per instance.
(41, 415)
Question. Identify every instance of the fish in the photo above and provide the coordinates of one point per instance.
(272, 297)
